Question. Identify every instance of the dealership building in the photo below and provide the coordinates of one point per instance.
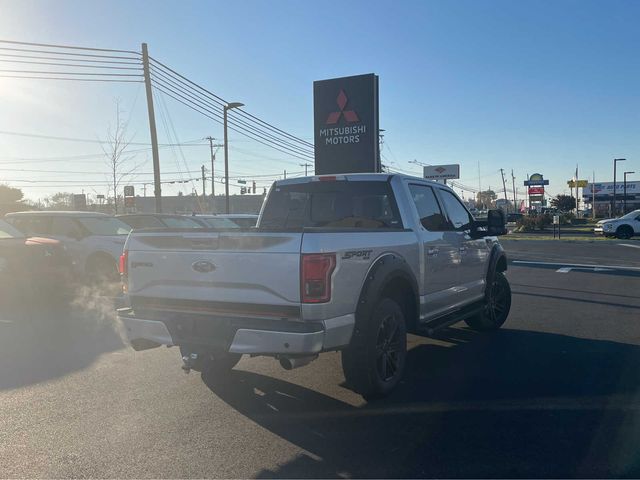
(604, 196)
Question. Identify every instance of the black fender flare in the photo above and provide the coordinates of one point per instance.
(386, 268)
(497, 263)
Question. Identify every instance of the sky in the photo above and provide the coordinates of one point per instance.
(529, 86)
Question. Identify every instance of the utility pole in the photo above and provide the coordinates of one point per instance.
(504, 187)
(305, 165)
(213, 172)
(285, 174)
(204, 194)
(513, 184)
(593, 196)
(152, 129)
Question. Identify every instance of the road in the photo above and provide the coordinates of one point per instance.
(555, 393)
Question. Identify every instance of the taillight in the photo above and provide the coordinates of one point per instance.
(315, 277)
(124, 260)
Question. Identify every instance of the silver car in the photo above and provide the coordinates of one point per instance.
(94, 240)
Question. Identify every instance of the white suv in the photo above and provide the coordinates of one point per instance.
(624, 227)
(94, 240)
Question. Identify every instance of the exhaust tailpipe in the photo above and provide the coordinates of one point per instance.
(289, 363)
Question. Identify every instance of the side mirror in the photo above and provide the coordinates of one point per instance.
(496, 223)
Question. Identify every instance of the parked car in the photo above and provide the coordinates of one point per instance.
(624, 227)
(31, 265)
(161, 220)
(349, 262)
(243, 220)
(93, 240)
(216, 221)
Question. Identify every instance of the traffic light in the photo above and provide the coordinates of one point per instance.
(254, 187)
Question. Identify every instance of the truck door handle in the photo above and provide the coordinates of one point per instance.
(432, 251)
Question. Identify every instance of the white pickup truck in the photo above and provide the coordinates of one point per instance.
(348, 262)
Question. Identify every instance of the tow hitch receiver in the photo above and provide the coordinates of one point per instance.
(188, 361)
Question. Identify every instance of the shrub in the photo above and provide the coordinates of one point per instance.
(530, 223)
(567, 218)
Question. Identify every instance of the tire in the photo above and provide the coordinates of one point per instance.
(496, 308)
(374, 362)
(624, 232)
(213, 364)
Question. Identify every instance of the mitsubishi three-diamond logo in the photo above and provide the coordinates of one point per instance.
(349, 115)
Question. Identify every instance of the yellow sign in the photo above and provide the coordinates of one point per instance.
(580, 183)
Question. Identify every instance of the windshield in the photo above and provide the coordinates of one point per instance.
(9, 231)
(219, 222)
(104, 225)
(631, 215)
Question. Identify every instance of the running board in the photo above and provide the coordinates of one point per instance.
(433, 326)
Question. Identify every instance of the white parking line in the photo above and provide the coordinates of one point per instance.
(565, 265)
(629, 245)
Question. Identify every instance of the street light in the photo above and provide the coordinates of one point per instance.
(624, 211)
(615, 163)
(225, 109)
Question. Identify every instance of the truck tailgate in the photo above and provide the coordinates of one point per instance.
(195, 269)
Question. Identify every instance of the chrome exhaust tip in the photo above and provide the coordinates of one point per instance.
(289, 363)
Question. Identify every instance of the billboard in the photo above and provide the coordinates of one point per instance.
(79, 201)
(536, 190)
(606, 189)
(346, 124)
(441, 172)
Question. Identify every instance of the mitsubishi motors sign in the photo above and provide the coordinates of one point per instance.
(346, 125)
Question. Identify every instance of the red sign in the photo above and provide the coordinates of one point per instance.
(536, 190)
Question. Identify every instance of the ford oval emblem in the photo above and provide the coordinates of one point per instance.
(203, 266)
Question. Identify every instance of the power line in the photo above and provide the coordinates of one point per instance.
(250, 134)
(72, 47)
(66, 59)
(139, 68)
(199, 110)
(45, 72)
(197, 98)
(189, 143)
(223, 102)
(28, 50)
(71, 79)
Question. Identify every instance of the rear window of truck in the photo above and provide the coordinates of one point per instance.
(337, 204)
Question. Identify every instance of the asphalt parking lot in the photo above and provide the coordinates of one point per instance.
(555, 393)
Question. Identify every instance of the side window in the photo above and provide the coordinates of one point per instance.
(144, 222)
(63, 226)
(428, 208)
(459, 216)
(33, 225)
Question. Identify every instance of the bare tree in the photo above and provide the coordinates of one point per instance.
(115, 152)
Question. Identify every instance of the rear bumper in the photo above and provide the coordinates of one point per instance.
(239, 336)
